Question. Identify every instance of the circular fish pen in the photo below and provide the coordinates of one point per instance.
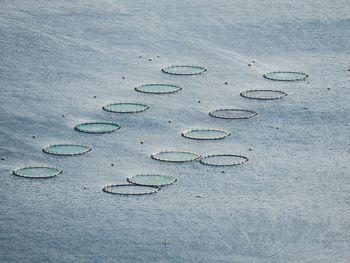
(175, 156)
(224, 160)
(158, 88)
(37, 172)
(67, 149)
(285, 75)
(125, 107)
(184, 70)
(263, 94)
(130, 189)
(97, 127)
(234, 114)
(206, 134)
(152, 179)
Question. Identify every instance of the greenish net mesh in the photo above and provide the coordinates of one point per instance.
(206, 134)
(125, 107)
(184, 70)
(130, 189)
(175, 156)
(158, 88)
(233, 113)
(263, 94)
(285, 75)
(67, 149)
(37, 172)
(224, 159)
(152, 179)
(97, 127)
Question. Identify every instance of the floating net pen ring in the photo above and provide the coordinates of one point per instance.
(184, 70)
(37, 172)
(158, 88)
(175, 156)
(206, 134)
(67, 149)
(224, 159)
(130, 189)
(125, 107)
(263, 94)
(97, 127)
(285, 75)
(152, 179)
(233, 114)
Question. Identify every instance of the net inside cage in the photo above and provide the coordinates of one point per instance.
(233, 113)
(158, 88)
(175, 156)
(152, 179)
(263, 94)
(67, 149)
(224, 160)
(125, 107)
(130, 189)
(286, 75)
(37, 172)
(206, 134)
(184, 70)
(97, 127)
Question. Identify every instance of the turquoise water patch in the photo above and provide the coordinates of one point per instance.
(152, 179)
(206, 134)
(224, 159)
(130, 189)
(184, 70)
(263, 94)
(97, 127)
(37, 172)
(233, 114)
(285, 75)
(158, 88)
(66, 149)
(175, 156)
(125, 107)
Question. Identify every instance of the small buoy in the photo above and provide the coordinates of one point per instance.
(199, 196)
(140, 56)
(305, 108)
(63, 115)
(222, 172)
(199, 101)
(226, 83)
(3, 158)
(158, 56)
(112, 164)
(150, 59)
(249, 65)
(253, 61)
(123, 77)
(141, 142)
(348, 69)
(277, 128)
(85, 188)
(34, 136)
(94, 96)
(328, 88)
(250, 149)
(169, 121)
